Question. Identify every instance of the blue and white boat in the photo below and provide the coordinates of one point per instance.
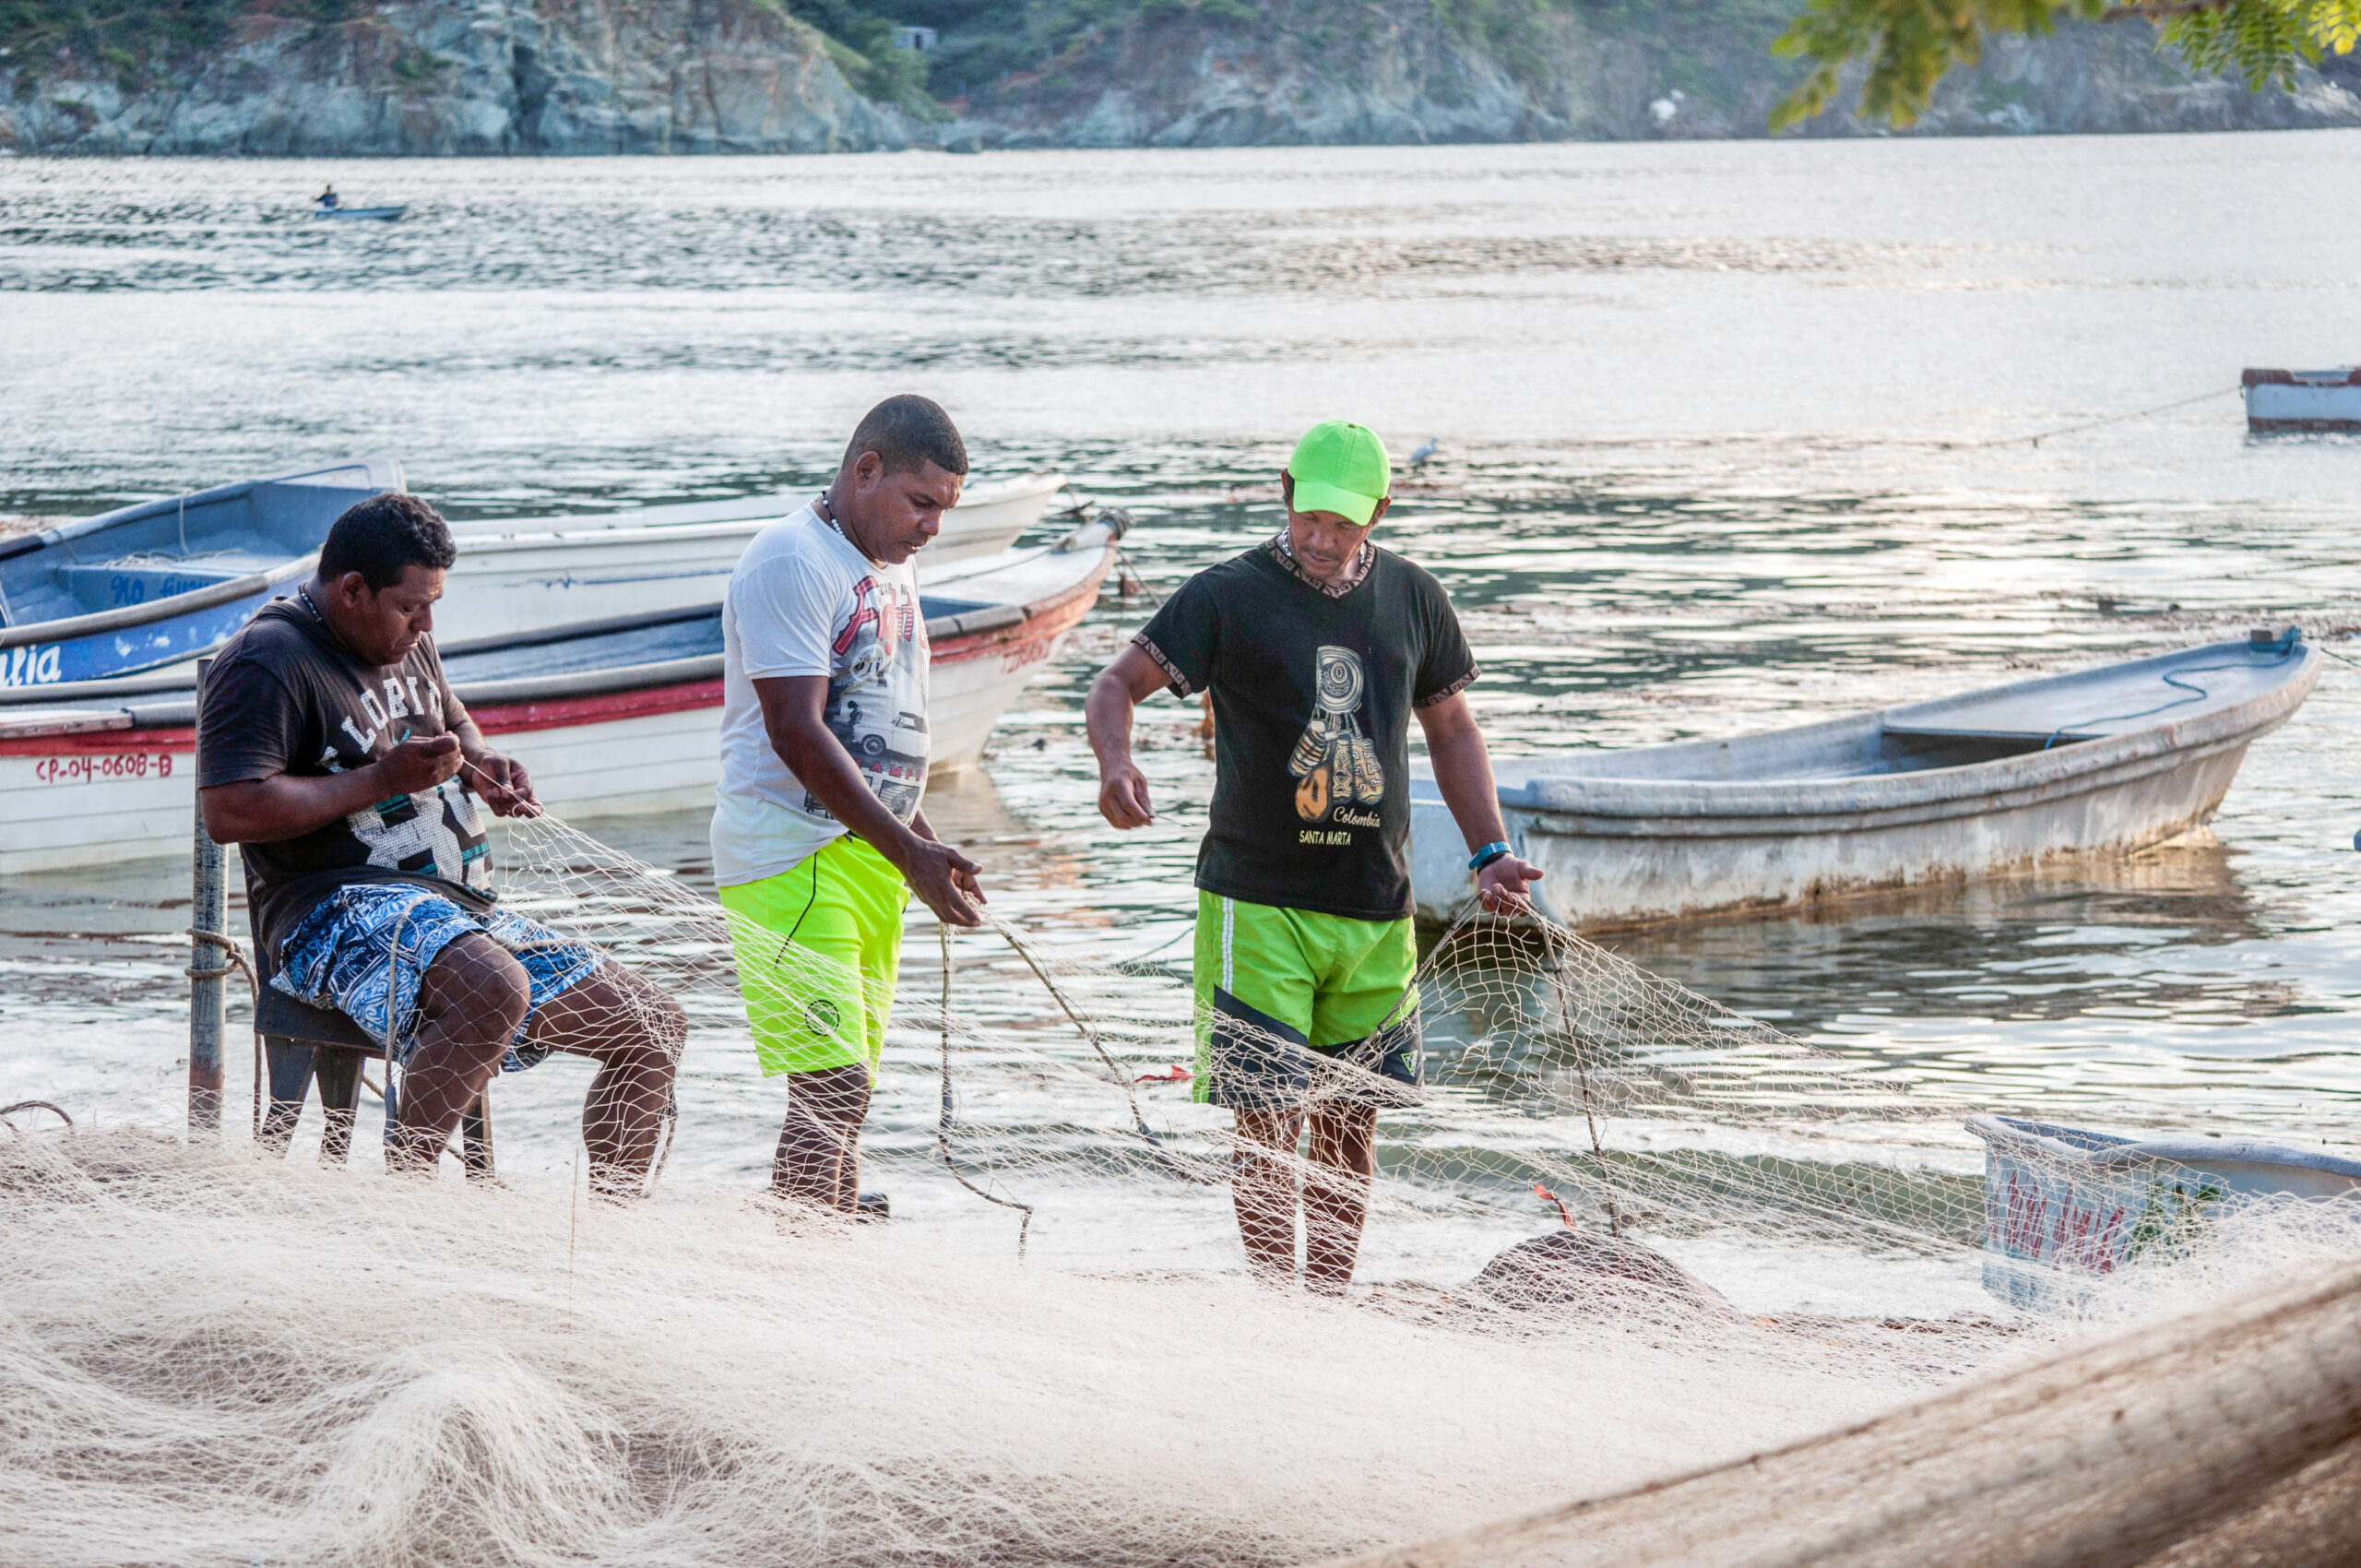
(151, 584)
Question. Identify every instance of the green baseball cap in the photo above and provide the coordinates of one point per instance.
(1340, 467)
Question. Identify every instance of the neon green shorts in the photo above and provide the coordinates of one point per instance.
(818, 949)
(1280, 990)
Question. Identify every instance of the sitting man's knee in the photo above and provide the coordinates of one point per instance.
(480, 989)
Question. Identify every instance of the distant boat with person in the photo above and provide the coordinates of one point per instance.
(327, 204)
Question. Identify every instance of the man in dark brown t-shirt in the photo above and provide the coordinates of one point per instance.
(333, 752)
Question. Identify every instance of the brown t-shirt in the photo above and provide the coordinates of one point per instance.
(287, 698)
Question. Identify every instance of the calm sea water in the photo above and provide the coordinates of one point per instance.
(1726, 436)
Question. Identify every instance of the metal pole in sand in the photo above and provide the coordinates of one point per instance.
(208, 964)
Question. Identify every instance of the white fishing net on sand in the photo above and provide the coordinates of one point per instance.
(223, 1360)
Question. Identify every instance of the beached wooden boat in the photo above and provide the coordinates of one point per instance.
(2303, 400)
(521, 575)
(614, 716)
(2101, 760)
(2064, 1206)
(150, 585)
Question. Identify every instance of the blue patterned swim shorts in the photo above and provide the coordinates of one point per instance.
(364, 949)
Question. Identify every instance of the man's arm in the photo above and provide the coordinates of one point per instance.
(1463, 773)
(269, 811)
(1107, 716)
(944, 879)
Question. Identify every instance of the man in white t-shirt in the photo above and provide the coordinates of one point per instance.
(818, 840)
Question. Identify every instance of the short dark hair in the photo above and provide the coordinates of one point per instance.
(908, 431)
(384, 535)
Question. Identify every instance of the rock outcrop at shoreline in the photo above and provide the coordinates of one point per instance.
(416, 76)
(580, 76)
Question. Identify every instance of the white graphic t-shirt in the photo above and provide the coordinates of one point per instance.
(803, 601)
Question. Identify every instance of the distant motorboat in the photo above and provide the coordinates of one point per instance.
(521, 573)
(361, 214)
(2109, 759)
(2302, 399)
(162, 581)
(618, 716)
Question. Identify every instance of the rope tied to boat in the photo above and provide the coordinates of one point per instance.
(2042, 435)
(2286, 645)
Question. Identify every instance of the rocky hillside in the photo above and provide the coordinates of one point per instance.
(427, 77)
(423, 76)
(1304, 71)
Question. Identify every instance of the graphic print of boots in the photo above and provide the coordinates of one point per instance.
(1309, 763)
(1334, 760)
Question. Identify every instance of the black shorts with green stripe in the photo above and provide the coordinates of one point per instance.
(1296, 1009)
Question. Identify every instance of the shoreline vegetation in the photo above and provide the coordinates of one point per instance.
(393, 78)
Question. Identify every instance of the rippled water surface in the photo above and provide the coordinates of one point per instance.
(1728, 436)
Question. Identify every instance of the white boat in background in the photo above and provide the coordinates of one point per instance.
(614, 716)
(2302, 399)
(2098, 761)
(525, 574)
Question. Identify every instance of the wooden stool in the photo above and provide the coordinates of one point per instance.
(301, 1042)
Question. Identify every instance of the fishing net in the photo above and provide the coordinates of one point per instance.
(1038, 1069)
(1577, 1276)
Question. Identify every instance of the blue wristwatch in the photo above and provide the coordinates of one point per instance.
(1486, 856)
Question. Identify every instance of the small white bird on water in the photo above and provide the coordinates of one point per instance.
(1423, 453)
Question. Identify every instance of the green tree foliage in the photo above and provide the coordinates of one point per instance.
(1909, 44)
(860, 41)
(127, 34)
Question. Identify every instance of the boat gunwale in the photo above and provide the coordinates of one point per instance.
(477, 534)
(72, 628)
(695, 669)
(1690, 807)
(384, 471)
(2113, 1152)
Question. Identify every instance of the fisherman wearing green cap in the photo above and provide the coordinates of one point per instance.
(1317, 648)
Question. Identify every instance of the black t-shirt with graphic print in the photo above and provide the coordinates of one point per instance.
(1313, 694)
(285, 697)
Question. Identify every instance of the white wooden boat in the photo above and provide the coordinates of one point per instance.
(162, 581)
(2302, 399)
(2063, 1205)
(613, 717)
(2101, 760)
(361, 214)
(522, 575)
